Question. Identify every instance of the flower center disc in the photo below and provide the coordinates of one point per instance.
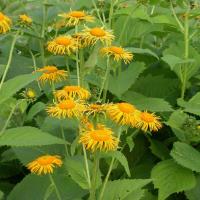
(100, 135)
(67, 105)
(77, 14)
(147, 117)
(63, 41)
(30, 94)
(50, 69)
(126, 107)
(117, 50)
(45, 160)
(98, 32)
(71, 88)
(1, 16)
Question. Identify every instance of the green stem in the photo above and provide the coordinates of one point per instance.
(105, 78)
(77, 60)
(9, 58)
(111, 14)
(63, 136)
(186, 55)
(55, 187)
(97, 11)
(86, 167)
(94, 178)
(109, 171)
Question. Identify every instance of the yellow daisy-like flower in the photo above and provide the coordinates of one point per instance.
(52, 74)
(118, 53)
(68, 108)
(72, 92)
(44, 164)
(25, 19)
(62, 45)
(148, 121)
(123, 113)
(29, 94)
(94, 109)
(91, 35)
(75, 17)
(5, 23)
(100, 138)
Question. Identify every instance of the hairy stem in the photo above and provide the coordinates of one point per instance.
(55, 187)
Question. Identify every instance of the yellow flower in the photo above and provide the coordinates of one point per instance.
(62, 45)
(44, 164)
(92, 35)
(29, 94)
(94, 109)
(148, 121)
(25, 19)
(52, 74)
(100, 138)
(122, 113)
(72, 92)
(68, 108)
(118, 53)
(5, 23)
(75, 17)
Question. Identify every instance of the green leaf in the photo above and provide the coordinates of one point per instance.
(118, 85)
(35, 109)
(118, 155)
(147, 103)
(120, 189)
(28, 136)
(135, 194)
(170, 178)
(186, 155)
(159, 149)
(163, 19)
(13, 85)
(142, 51)
(34, 187)
(194, 193)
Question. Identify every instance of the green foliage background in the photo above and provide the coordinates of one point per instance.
(163, 78)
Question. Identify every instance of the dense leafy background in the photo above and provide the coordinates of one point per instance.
(164, 165)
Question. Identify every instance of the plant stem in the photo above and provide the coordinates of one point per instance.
(9, 58)
(77, 60)
(63, 136)
(87, 167)
(109, 171)
(186, 55)
(110, 14)
(94, 178)
(105, 78)
(97, 11)
(54, 185)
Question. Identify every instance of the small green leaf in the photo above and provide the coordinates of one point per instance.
(142, 51)
(170, 177)
(186, 155)
(13, 85)
(28, 136)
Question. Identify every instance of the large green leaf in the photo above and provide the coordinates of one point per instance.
(147, 103)
(13, 85)
(186, 155)
(120, 84)
(194, 193)
(35, 187)
(121, 189)
(142, 51)
(170, 178)
(28, 136)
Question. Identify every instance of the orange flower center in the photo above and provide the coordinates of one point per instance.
(100, 135)
(2, 16)
(77, 14)
(66, 105)
(126, 107)
(45, 160)
(147, 117)
(63, 41)
(50, 69)
(71, 88)
(117, 50)
(98, 32)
